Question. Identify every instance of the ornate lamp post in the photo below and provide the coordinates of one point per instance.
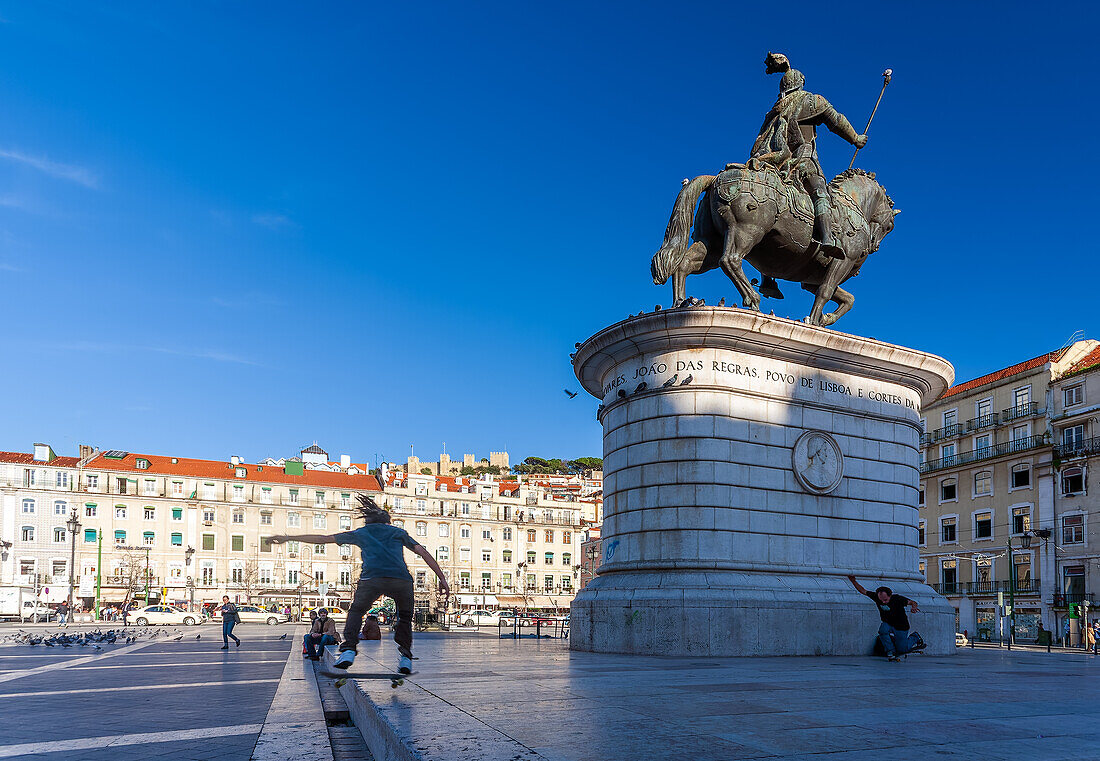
(73, 524)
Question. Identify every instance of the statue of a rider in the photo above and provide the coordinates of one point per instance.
(788, 141)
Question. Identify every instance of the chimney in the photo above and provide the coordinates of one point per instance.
(86, 451)
(43, 453)
(235, 460)
(345, 461)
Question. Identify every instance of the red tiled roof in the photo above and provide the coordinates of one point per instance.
(25, 458)
(1087, 362)
(1000, 375)
(208, 469)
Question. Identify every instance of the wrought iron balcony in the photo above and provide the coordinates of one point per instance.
(925, 439)
(1025, 586)
(948, 588)
(986, 453)
(1065, 599)
(1029, 409)
(982, 421)
(980, 588)
(947, 432)
(1082, 448)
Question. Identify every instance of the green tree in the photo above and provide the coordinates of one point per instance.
(426, 471)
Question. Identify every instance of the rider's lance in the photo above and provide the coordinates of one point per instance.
(886, 75)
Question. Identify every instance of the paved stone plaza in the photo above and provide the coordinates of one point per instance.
(484, 698)
(154, 698)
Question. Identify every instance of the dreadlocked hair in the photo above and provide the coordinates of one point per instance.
(369, 510)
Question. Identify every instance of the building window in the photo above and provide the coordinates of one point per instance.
(208, 542)
(208, 515)
(148, 538)
(920, 497)
(150, 486)
(1073, 437)
(59, 535)
(1022, 396)
(1019, 436)
(292, 576)
(1073, 529)
(949, 575)
(464, 554)
(93, 481)
(947, 452)
(120, 536)
(90, 535)
(345, 522)
(531, 535)
(548, 559)
(486, 580)
(549, 535)
(238, 493)
(208, 491)
(421, 507)
(1021, 476)
(444, 529)
(120, 511)
(566, 558)
(920, 533)
(506, 534)
(60, 508)
(236, 574)
(1022, 569)
(421, 528)
(265, 495)
(345, 550)
(345, 576)
(265, 519)
(177, 539)
(320, 520)
(1073, 480)
(1021, 520)
(486, 556)
(150, 514)
(983, 526)
(464, 532)
(265, 544)
(345, 500)
(177, 488)
(293, 496)
(237, 543)
(948, 490)
(177, 514)
(421, 579)
(240, 473)
(983, 483)
(487, 534)
(1074, 395)
(947, 530)
(547, 583)
(531, 557)
(293, 520)
(506, 556)
(28, 507)
(567, 537)
(443, 553)
(319, 500)
(90, 510)
(62, 479)
(982, 444)
(266, 575)
(238, 516)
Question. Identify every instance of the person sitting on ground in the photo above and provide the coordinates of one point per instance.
(371, 629)
(321, 632)
(893, 632)
(384, 573)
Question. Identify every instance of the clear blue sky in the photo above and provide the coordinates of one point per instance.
(236, 228)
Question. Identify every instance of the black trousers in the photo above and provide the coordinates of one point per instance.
(367, 591)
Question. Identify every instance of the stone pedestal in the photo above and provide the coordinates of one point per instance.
(763, 461)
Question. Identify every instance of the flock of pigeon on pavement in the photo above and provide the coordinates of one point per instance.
(95, 638)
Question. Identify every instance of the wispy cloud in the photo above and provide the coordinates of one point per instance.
(5, 267)
(69, 172)
(273, 221)
(214, 355)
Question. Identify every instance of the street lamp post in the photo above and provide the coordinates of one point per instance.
(73, 524)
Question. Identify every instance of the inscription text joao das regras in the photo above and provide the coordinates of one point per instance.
(727, 369)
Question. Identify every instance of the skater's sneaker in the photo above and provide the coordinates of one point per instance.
(893, 659)
(346, 658)
(404, 665)
(918, 643)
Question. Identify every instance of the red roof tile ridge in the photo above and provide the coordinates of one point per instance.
(1007, 372)
(1087, 362)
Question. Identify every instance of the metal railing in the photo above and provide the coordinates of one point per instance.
(982, 588)
(982, 421)
(1065, 599)
(948, 588)
(947, 432)
(1029, 409)
(1082, 448)
(986, 453)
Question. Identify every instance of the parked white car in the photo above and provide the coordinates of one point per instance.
(335, 612)
(478, 618)
(961, 640)
(256, 615)
(165, 614)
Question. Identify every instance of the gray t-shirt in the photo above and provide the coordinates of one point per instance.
(381, 545)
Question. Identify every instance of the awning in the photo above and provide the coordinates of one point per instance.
(510, 601)
(470, 599)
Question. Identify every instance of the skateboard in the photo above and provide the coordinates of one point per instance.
(342, 677)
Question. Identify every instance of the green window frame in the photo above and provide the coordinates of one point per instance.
(237, 542)
(177, 539)
(208, 542)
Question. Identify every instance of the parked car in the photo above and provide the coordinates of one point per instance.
(257, 615)
(165, 614)
(335, 612)
(478, 618)
(961, 640)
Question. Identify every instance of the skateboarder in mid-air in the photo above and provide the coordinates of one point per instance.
(384, 573)
(893, 633)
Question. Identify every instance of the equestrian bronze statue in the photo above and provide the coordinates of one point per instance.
(777, 211)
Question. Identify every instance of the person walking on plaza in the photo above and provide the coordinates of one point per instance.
(63, 614)
(125, 614)
(322, 632)
(384, 573)
(893, 632)
(230, 618)
(1090, 636)
(1096, 637)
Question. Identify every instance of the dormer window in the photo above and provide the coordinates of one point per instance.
(241, 472)
(142, 463)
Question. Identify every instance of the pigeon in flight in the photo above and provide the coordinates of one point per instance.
(570, 394)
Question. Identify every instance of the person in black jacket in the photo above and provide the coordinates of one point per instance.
(230, 618)
(893, 632)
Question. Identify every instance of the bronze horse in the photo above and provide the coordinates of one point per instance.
(750, 213)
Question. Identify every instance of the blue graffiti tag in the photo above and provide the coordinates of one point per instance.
(609, 551)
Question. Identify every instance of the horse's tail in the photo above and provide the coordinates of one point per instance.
(678, 233)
